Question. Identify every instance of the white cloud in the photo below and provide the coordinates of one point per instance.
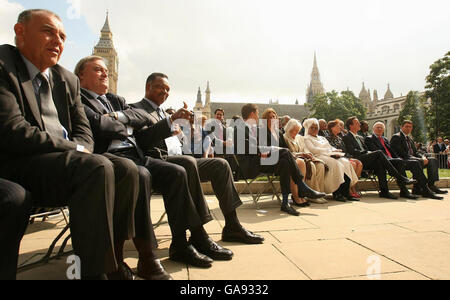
(8, 17)
(262, 49)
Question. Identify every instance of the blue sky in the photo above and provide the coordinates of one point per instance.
(81, 38)
(256, 50)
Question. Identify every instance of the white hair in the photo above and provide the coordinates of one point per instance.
(308, 124)
(292, 124)
(379, 123)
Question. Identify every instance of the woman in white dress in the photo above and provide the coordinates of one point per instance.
(312, 168)
(340, 175)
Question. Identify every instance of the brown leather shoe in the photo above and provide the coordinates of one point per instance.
(152, 270)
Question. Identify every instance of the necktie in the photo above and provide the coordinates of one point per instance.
(385, 148)
(359, 143)
(49, 113)
(408, 141)
(160, 113)
(106, 104)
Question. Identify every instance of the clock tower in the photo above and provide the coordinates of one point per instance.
(105, 48)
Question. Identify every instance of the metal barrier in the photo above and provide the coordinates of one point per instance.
(443, 160)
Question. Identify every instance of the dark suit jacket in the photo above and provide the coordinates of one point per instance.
(399, 143)
(352, 147)
(438, 148)
(374, 144)
(151, 138)
(21, 129)
(107, 129)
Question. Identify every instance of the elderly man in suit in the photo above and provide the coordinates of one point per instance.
(114, 124)
(372, 160)
(378, 142)
(47, 143)
(405, 148)
(216, 170)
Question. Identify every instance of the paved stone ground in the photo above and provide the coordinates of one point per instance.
(389, 239)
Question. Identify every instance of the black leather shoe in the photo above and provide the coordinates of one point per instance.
(339, 198)
(417, 190)
(306, 192)
(431, 195)
(190, 256)
(288, 209)
(212, 249)
(408, 195)
(436, 190)
(152, 270)
(304, 204)
(352, 199)
(388, 195)
(241, 236)
(406, 181)
(123, 273)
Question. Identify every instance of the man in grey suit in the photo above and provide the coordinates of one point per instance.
(46, 145)
(216, 170)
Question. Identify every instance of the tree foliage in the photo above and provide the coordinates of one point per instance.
(438, 89)
(332, 106)
(415, 110)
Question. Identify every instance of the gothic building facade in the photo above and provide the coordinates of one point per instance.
(105, 48)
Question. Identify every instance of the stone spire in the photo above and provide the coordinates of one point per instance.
(389, 94)
(208, 95)
(199, 97)
(375, 95)
(105, 48)
(316, 86)
(364, 95)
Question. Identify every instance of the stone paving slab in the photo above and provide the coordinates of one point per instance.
(333, 259)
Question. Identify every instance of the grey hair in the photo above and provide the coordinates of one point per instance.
(292, 124)
(82, 63)
(378, 123)
(26, 15)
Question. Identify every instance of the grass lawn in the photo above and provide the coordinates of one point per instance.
(443, 173)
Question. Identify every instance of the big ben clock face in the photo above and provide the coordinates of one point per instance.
(106, 61)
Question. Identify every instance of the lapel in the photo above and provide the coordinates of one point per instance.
(93, 103)
(59, 94)
(27, 86)
(148, 108)
(377, 141)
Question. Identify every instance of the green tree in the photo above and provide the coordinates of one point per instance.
(415, 110)
(438, 89)
(332, 105)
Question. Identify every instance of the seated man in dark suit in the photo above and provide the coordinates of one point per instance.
(216, 170)
(403, 145)
(323, 125)
(440, 146)
(114, 123)
(378, 142)
(255, 157)
(15, 207)
(377, 161)
(46, 145)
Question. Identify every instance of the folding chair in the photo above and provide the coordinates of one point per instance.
(44, 213)
(256, 196)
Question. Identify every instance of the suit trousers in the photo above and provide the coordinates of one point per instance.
(416, 169)
(215, 170)
(171, 181)
(100, 192)
(15, 209)
(286, 168)
(378, 162)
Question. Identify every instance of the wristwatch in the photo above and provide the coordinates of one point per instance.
(113, 115)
